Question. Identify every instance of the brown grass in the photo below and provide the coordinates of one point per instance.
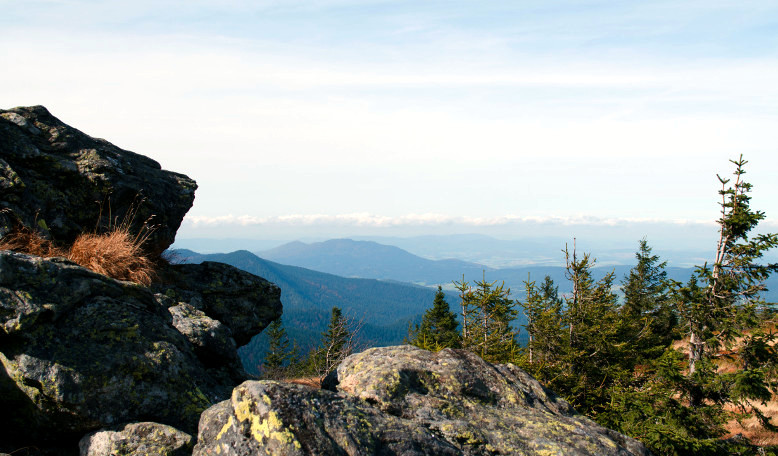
(750, 428)
(313, 382)
(25, 240)
(117, 253)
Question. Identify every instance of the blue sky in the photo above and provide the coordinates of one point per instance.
(348, 117)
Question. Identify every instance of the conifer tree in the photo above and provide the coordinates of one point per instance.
(720, 301)
(490, 334)
(280, 355)
(338, 342)
(467, 308)
(543, 310)
(438, 329)
(647, 317)
(592, 348)
(680, 402)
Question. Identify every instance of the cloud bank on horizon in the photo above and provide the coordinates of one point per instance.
(457, 112)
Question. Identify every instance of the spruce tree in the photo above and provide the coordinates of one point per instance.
(280, 356)
(679, 403)
(337, 343)
(647, 317)
(543, 311)
(438, 329)
(719, 303)
(592, 349)
(491, 335)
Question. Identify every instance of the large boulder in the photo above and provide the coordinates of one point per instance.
(137, 439)
(404, 400)
(63, 182)
(80, 351)
(242, 301)
(268, 417)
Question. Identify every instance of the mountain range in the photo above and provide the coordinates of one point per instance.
(382, 309)
(382, 287)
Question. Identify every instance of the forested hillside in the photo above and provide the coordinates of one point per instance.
(384, 308)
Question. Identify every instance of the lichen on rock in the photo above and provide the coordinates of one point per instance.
(407, 401)
(137, 439)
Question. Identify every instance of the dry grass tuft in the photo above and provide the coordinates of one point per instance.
(25, 240)
(117, 254)
(313, 382)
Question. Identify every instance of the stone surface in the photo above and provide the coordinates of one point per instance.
(272, 418)
(80, 351)
(55, 178)
(404, 400)
(242, 301)
(137, 439)
(212, 340)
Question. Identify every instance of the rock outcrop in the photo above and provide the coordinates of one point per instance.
(80, 351)
(64, 182)
(240, 300)
(147, 439)
(404, 400)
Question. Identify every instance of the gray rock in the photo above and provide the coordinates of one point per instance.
(80, 351)
(242, 301)
(137, 439)
(212, 341)
(267, 417)
(404, 400)
(55, 178)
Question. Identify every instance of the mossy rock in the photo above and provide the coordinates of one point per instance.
(63, 182)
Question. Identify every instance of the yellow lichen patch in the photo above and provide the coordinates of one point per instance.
(224, 429)
(267, 429)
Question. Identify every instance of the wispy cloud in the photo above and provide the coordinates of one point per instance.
(430, 219)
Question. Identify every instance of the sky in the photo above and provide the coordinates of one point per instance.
(339, 117)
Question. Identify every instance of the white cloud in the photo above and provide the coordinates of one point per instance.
(431, 219)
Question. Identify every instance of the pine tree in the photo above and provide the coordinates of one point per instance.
(543, 310)
(648, 319)
(491, 335)
(679, 403)
(438, 329)
(721, 300)
(338, 342)
(280, 356)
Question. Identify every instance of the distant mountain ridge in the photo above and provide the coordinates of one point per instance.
(386, 308)
(367, 259)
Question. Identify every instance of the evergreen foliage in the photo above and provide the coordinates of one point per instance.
(282, 357)
(543, 310)
(616, 363)
(438, 329)
(487, 313)
(338, 342)
(648, 320)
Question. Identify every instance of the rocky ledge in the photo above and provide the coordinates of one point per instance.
(406, 401)
(63, 182)
(81, 351)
